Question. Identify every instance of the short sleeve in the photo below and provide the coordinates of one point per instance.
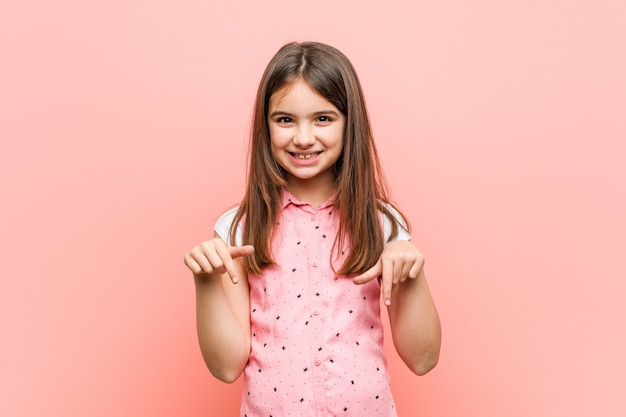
(222, 227)
(403, 233)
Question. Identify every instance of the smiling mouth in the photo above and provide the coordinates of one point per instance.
(305, 156)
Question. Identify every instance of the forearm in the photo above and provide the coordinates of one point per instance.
(415, 324)
(222, 332)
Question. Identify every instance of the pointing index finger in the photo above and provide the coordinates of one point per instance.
(234, 252)
(227, 260)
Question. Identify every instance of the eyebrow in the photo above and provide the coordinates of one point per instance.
(317, 113)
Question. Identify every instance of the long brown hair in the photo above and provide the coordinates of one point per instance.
(361, 191)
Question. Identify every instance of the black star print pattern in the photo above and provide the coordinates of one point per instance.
(308, 324)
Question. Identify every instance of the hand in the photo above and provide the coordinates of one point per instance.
(216, 257)
(399, 261)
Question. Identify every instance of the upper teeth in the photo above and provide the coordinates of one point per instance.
(306, 156)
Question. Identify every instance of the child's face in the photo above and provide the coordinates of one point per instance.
(306, 134)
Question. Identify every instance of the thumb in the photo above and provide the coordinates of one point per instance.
(370, 274)
(239, 251)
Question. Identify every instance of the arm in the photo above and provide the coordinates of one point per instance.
(415, 325)
(222, 306)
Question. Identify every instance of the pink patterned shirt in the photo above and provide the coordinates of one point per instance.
(317, 338)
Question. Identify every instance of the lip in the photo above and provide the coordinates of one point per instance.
(305, 162)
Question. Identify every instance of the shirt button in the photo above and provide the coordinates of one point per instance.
(313, 218)
(317, 362)
(314, 263)
(316, 312)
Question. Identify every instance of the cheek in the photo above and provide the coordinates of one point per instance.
(274, 152)
(341, 133)
(278, 138)
(277, 147)
(338, 139)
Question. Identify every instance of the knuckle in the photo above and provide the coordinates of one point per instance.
(206, 245)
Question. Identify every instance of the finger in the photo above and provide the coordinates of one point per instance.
(201, 258)
(235, 252)
(239, 251)
(399, 267)
(192, 264)
(416, 268)
(388, 269)
(370, 274)
(405, 269)
(226, 259)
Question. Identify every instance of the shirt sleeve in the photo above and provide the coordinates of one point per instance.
(222, 227)
(403, 233)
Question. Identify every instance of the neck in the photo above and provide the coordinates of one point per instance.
(315, 193)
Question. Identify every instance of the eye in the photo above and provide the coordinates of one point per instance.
(284, 120)
(324, 119)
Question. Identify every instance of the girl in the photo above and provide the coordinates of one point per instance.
(288, 290)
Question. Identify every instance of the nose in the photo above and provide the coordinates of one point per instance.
(304, 137)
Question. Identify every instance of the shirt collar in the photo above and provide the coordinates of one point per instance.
(287, 198)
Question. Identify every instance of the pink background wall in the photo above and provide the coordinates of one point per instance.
(123, 128)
